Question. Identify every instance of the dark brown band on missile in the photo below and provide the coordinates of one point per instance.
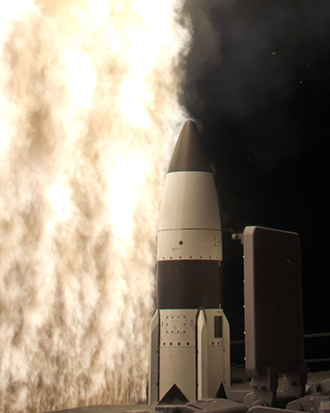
(188, 284)
(189, 153)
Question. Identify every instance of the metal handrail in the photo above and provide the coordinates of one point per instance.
(316, 335)
(306, 336)
(310, 335)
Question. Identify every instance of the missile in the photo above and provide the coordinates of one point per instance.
(189, 332)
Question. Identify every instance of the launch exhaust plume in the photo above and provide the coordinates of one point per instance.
(89, 117)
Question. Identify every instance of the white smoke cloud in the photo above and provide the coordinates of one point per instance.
(89, 116)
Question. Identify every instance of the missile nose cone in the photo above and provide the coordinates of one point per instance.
(189, 153)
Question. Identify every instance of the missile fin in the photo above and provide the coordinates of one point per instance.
(174, 396)
(221, 393)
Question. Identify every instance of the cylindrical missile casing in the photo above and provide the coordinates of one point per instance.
(189, 234)
(189, 333)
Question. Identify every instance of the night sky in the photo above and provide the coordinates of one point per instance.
(258, 85)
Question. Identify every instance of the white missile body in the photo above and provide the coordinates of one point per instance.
(189, 333)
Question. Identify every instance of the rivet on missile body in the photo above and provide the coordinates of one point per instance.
(180, 242)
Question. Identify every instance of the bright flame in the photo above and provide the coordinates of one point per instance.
(80, 73)
(60, 200)
(127, 179)
(89, 115)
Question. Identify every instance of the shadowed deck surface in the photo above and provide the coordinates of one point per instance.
(238, 375)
